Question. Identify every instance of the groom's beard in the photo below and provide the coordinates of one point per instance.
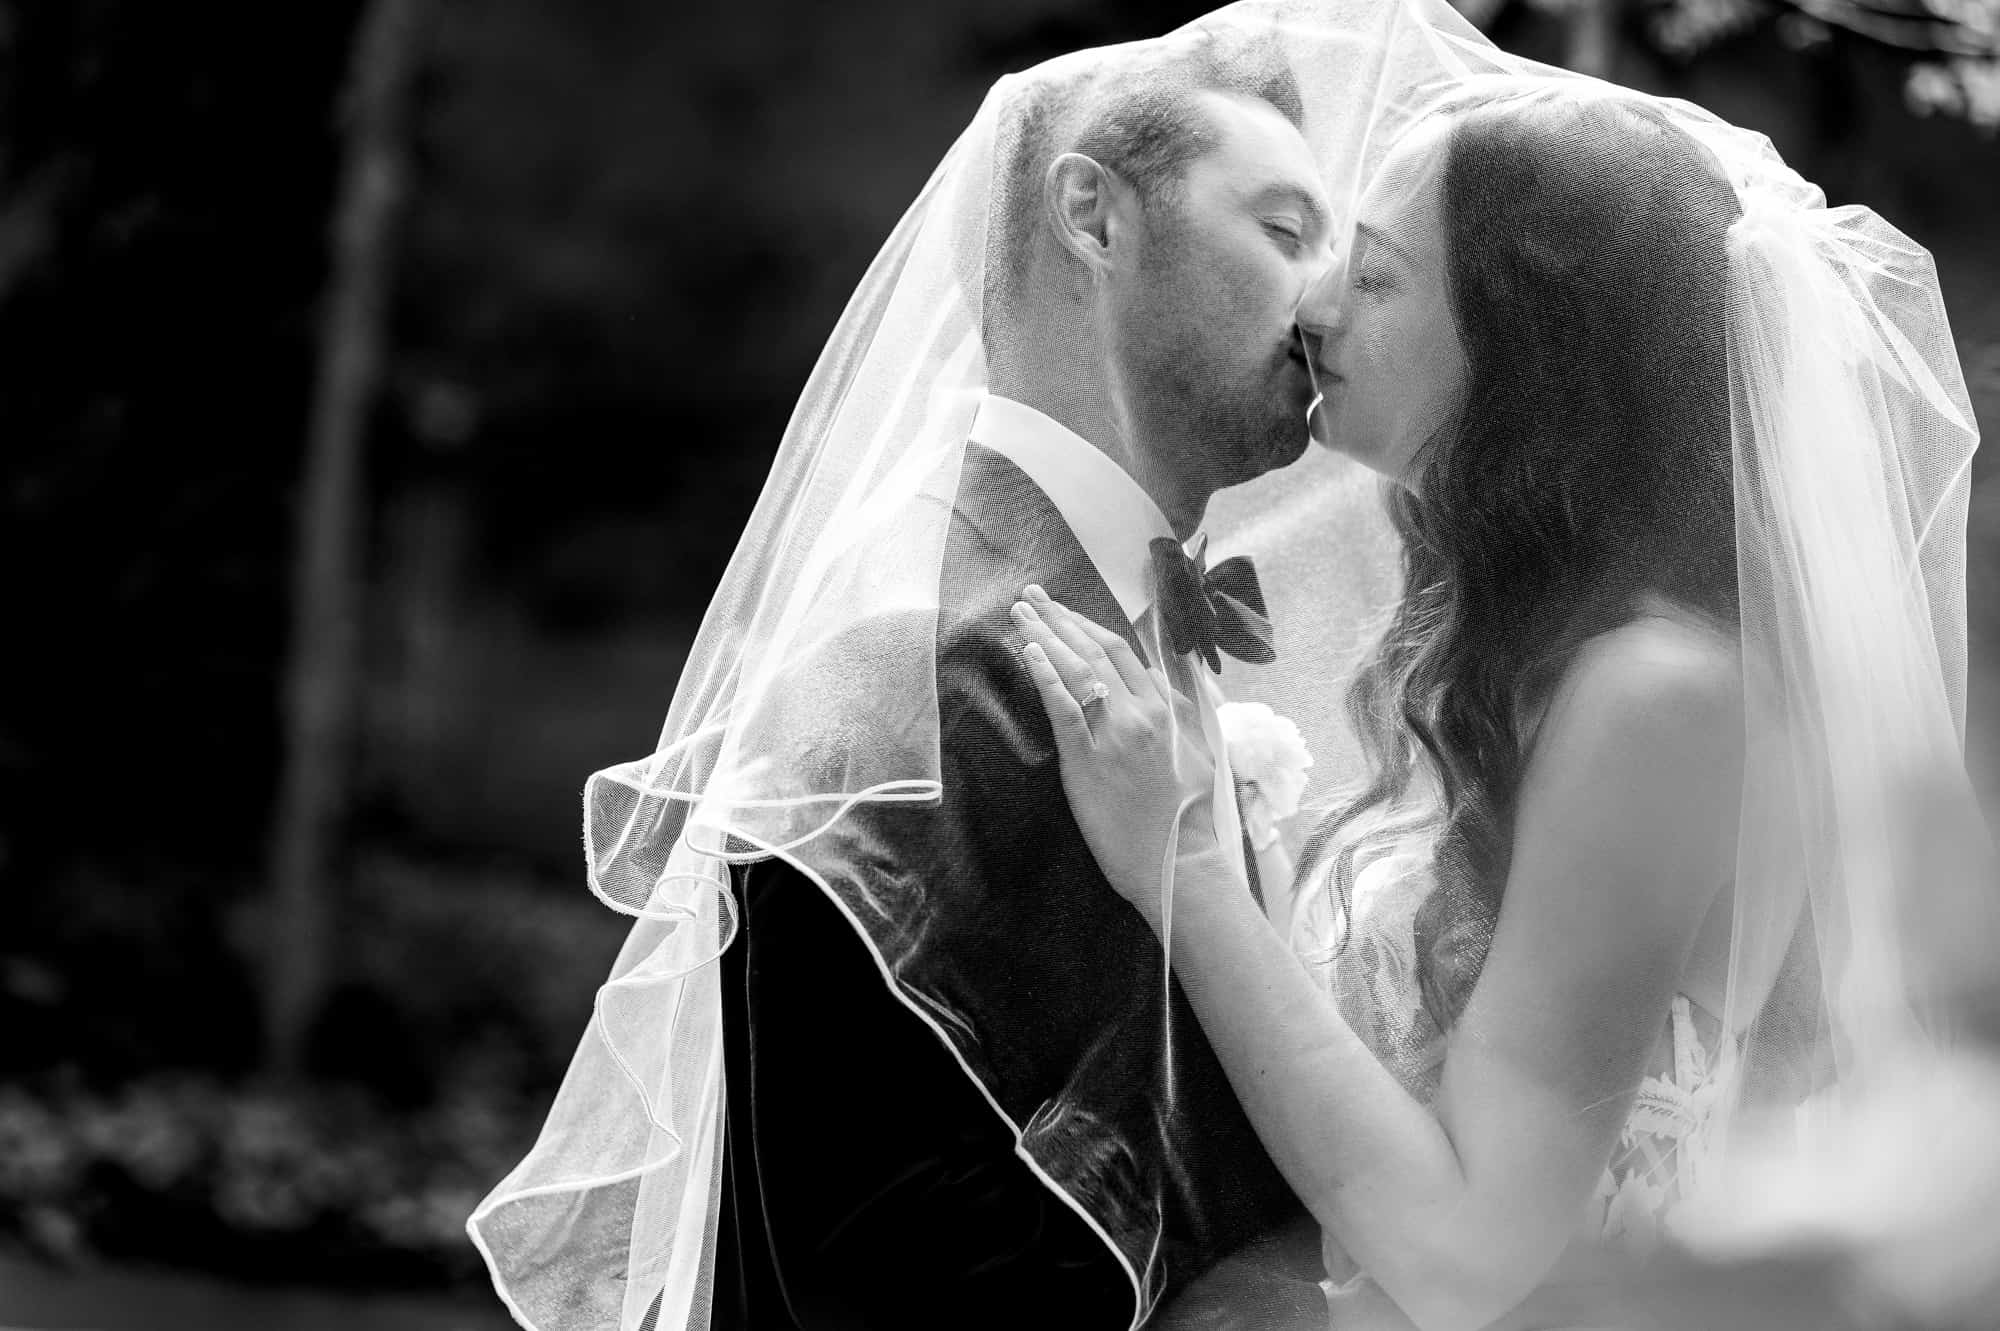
(1221, 425)
(1206, 403)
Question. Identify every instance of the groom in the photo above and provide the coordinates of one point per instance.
(1150, 243)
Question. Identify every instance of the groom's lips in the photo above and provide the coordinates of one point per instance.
(1305, 374)
(1317, 375)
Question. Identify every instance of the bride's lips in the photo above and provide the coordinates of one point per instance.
(1324, 382)
(1320, 377)
(1305, 356)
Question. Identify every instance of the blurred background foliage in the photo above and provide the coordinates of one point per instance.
(608, 241)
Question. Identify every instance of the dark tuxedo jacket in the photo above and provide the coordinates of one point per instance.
(870, 1178)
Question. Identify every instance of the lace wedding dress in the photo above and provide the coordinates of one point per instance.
(1658, 1156)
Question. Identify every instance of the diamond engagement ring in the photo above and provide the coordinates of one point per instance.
(1097, 692)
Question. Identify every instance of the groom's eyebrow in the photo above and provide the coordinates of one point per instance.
(1311, 213)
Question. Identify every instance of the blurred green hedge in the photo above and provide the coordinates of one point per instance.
(461, 995)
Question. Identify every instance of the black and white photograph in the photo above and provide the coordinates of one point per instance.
(900, 665)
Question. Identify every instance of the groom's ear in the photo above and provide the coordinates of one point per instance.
(1085, 203)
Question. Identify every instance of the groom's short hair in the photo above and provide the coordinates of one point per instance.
(1143, 122)
(1149, 132)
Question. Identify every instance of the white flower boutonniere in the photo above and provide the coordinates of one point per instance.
(1269, 757)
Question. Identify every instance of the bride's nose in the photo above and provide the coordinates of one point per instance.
(1318, 314)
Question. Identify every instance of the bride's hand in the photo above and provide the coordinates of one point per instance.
(1134, 763)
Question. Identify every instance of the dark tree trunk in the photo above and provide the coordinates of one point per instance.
(1592, 45)
(322, 684)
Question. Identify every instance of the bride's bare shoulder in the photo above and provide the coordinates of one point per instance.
(1636, 774)
(1667, 677)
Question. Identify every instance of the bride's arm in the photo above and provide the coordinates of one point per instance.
(1625, 821)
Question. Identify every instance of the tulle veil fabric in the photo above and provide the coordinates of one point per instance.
(810, 690)
(1852, 437)
(1862, 860)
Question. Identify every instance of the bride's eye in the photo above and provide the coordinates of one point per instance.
(1371, 280)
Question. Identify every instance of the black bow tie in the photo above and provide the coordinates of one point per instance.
(1211, 610)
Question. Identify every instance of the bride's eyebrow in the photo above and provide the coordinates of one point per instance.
(1374, 238)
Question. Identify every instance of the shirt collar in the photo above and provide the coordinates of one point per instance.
(1115, 520)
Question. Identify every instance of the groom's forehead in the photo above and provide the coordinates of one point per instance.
(1258, 155)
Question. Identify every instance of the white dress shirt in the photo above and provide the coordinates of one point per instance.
(1115, 521)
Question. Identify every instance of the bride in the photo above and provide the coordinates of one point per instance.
(1680, 623)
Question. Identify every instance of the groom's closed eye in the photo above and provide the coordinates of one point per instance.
(1292, 210)
(1292, 233)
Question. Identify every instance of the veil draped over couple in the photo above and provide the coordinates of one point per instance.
(1542, 465)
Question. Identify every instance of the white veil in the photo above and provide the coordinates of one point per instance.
(1851, 442)
(1845, 445)
(810, 692)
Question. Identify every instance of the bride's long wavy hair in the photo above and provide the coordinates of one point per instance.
(1588, 465)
